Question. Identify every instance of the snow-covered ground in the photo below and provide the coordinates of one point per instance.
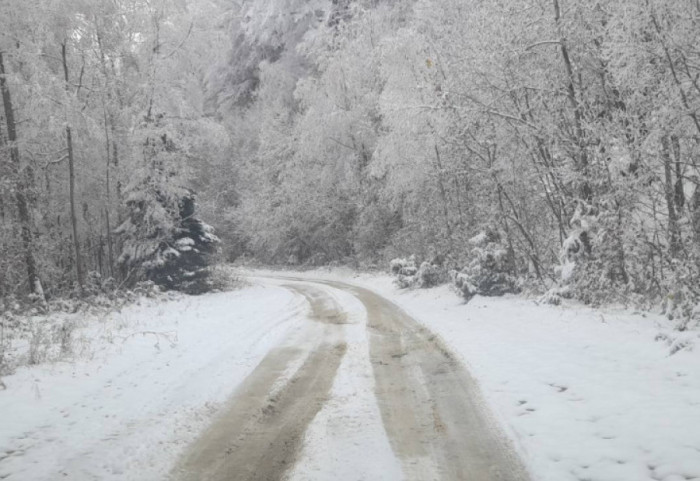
(346, 440)
(155, 376)
(586, 394)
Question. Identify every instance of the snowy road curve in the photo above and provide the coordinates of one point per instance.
(361, 391)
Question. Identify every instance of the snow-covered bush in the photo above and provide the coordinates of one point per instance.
(577, 246)
(50, 339)
(404, 270)
(162, 239)
(404, 282)
(682, 302)
(168, 244)
(462, 283)
(6, 357)
(193, 243)
(29, 335)
(408, 275)
(402, 266)
(595, 265)
(489, 271)
(221, 278)
(429, 275)
(556, 295)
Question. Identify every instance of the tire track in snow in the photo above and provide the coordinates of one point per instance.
(258, 436)
(432, 410)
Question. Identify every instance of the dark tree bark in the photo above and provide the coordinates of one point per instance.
(443, 197)
(71, 180)
(21, 187)
(581, 156)
(674, 231)
(695, 214)
(679, 193)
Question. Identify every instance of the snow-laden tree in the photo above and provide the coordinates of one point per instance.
(163, 240)
(81, 77)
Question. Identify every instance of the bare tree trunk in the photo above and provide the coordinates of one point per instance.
(674, 231)
(582, 156)
(71, 180)
(679, 192)
(443, 196)
(108, 197)
(695, 214)
(3, 171)
(21, 188)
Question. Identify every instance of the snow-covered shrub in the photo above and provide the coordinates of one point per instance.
(95, 290)
(429, 275)
(682, 303)
(402, 266)
(162, 239)
(462, 283)
(221, 279)
(143, 289)
(577, 246)
(405, 271)
(594, 261)
(39, 342)
(63, 335)
(408, 275)
(35, 336)
(404, 282)
(174, 254)
(185, 267)
(556, 295)
(678, 341)
(6, 358)
(489, 269)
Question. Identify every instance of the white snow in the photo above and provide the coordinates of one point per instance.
(585, 394)
(480, 239)
(154, 379)
(588, 395)
(347, 440)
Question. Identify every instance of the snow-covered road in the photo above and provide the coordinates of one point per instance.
(604, 394)
(304, 379)
(364, 393)
(285, 379)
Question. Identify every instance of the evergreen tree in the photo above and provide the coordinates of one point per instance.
(162, 239)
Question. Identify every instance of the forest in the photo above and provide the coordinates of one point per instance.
(546, 146)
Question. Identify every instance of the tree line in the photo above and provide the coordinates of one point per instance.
(103, 128)
(565, 133)
(367, 130)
